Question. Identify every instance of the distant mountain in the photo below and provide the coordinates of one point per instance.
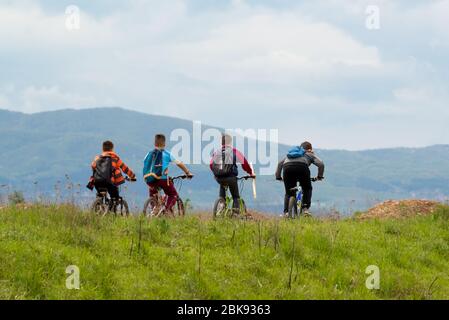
(40, 151)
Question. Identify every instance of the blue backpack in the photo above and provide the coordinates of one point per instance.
(153, 166)
(296, 152)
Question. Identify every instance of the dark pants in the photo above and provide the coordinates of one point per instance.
(169, 190)
(110, 188)
(292, 174)
(231, 183)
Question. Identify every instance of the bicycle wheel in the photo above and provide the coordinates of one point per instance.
(99, 207)
(148, 207)
(122, 208)
(220, 208)
(243, 210)
(292, 208)
(179, 209)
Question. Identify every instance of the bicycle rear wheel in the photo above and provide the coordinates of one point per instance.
(148, 207)
(220, 208)
(99, 207)
(292, 208)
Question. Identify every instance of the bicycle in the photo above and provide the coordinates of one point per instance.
(103, 205)
(295, 208)
(223, 207)
(155, 207)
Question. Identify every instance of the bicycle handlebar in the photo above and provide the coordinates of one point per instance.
(184, 176)
(312, 179)
(245, 178)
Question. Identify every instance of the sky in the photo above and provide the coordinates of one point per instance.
(334, 72)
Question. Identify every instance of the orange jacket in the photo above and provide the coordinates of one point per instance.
(117, 167)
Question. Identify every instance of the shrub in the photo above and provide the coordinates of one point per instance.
(16, 198)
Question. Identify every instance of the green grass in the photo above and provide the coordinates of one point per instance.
(196, 259)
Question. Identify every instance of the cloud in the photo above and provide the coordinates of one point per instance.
(308, 68)
(270, 46)
(48, 98)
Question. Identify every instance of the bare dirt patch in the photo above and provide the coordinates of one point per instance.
(401, 209)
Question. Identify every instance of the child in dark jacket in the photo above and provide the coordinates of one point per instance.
(294, 168)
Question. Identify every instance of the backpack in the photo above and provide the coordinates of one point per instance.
(224, 162)
(296, 152)
(155, 170)
(103, 170)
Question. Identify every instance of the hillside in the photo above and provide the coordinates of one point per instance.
(39, 150)
(203, 259)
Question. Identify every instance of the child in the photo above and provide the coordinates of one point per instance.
(296, 168)
(107, 171)
(224, 166)
(155, 171)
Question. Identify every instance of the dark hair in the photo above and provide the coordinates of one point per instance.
(108, 146)
(159, 140)
(306, 145)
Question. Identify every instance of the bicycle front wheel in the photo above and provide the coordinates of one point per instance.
(243, 210)
(122, 208)
(179, 209)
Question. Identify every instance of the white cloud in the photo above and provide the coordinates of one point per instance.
(270, 46)
(50, 98)
(250, 64)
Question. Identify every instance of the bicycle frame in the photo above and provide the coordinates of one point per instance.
(159, 207)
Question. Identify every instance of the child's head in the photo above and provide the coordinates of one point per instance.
(226, 139)
(108, 146)
(307, 146)
(159, 141)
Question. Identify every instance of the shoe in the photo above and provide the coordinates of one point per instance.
(306, 213)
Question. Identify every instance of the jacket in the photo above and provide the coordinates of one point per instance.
(308, 159)
(117, 167)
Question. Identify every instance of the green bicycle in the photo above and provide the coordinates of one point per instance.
(223, 207)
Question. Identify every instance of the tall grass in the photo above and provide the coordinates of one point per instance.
(193, 258)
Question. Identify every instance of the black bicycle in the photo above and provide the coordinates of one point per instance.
(155, 207)
(223, 207)
(103, 205)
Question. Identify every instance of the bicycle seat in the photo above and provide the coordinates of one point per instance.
(102, 192)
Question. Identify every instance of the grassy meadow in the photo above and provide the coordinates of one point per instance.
(197, 258)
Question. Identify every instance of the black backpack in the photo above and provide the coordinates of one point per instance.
(103, 170)
(224, 162)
